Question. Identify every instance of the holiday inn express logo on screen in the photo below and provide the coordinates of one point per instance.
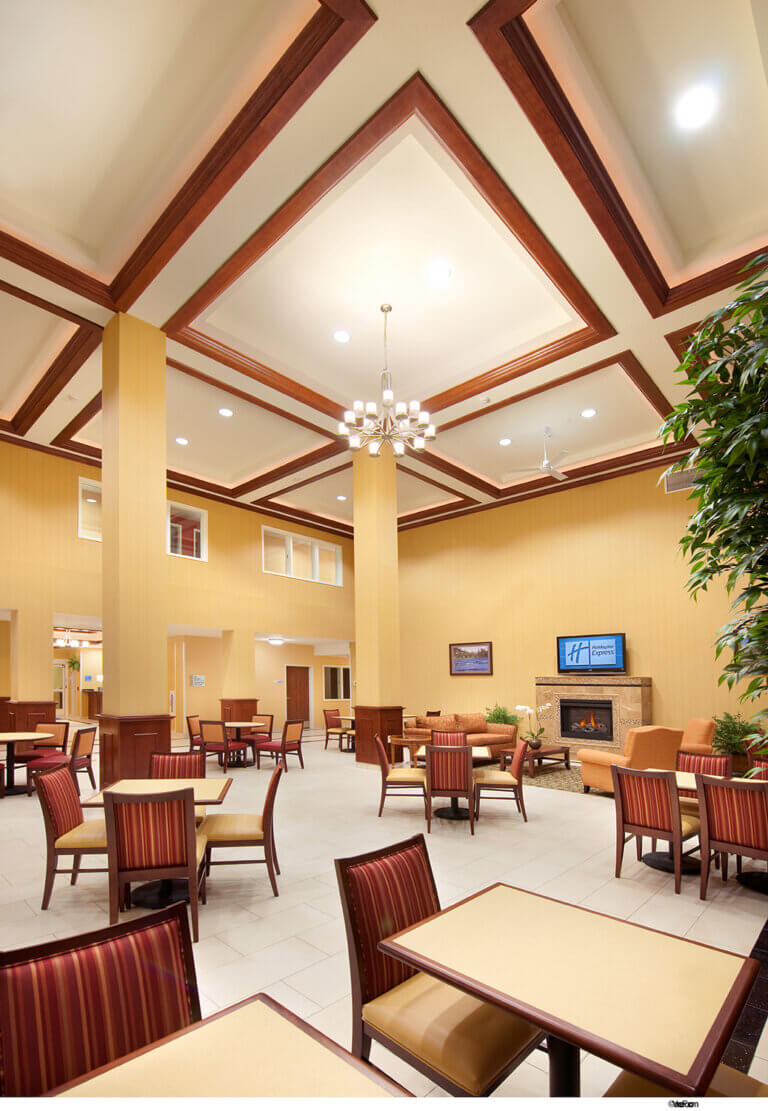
(591, 652)
(577, 653)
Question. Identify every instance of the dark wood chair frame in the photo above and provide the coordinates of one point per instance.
(258, 734)
(53, 855)
(496, 792)
(49, 949)
(287, 748)
(396, 789)
(673, 836)
(363, 1034)
(338, 730)
(711, 848)
(195, 739)
(231, 745)
(441, 793)
(267, 842)
(81, 739)
(120, 880)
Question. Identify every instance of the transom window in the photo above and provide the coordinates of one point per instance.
(187, 531)
(300, 557)
(89, 509)
(336, 683)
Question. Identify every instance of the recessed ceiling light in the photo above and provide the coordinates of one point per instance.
(277, 641)
(588, 414)
(439, 271)
(182, 441)
(341, 335)
(695, 107)
(92, 500)
(505, 442)
(225, 413)
(341, 497)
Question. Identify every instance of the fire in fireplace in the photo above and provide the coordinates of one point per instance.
(588, 719)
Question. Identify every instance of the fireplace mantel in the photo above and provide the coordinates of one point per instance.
(630, 697)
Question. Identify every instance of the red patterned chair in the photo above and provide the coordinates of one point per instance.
(66, 832)
(79, 759)
(75, 1004)
(262, 732)
(193, 732)
(466, 1046)
(760, 762)
(711, 763)
(647, 806)
(229, 830)
(290, 743)
(215, 741)
(59, 731)
(153, 837)
(734, 819)
(499, 783)
(398, 781)
(335, 728)
(179, 765)
(449, 775)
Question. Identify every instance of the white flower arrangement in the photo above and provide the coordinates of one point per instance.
(535, 731)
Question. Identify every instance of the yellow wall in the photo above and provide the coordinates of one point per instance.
(5, 657)
(599, 559)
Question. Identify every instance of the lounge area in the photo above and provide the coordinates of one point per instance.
(383, 600)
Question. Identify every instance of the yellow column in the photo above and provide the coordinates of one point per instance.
(377, 601)
(32, 651)
(240, 698)
(133, 526)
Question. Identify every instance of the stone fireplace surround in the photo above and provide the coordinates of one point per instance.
(630, 697)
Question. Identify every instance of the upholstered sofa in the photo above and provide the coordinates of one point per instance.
(481, 734)
(648, 746)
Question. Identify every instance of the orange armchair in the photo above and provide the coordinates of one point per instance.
(647, 746)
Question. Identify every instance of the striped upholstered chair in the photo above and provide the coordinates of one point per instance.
(441, 737)
(67, 834)
(179, 765)
(713, 763)
(760, 762)
(72, 1005)
(734, 819)
(153, 837)
(499, 783)
(466, 1046)
(226, 831)
(647, 806)
(449, 775)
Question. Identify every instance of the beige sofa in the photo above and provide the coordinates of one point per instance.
(486, 737)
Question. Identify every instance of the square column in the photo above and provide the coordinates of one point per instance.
(31, 658)
(239, 675)
(377, 601)
(135, 721)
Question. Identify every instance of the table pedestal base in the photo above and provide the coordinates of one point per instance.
(665, 862)
(160, 893)
(453, 813)
(755, 881)
(564, 1068)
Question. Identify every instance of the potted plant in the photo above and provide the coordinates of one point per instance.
(500, 715)
(733, 735)
(73, 663)
(535, 731)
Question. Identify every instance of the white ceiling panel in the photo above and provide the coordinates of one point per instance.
(31, 339)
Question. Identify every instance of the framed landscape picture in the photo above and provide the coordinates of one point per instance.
(471, 659)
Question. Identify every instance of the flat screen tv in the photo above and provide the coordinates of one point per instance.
(605, 653)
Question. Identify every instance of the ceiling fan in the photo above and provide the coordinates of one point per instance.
(546, 466)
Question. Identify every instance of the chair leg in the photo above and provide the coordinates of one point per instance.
(522, 802)
(274, 857)
(619, 852)
(127, 897)
(75, 868)
(653, 844)
(738, 865)
(724, 870)
(258, 760)
(114, 899)
(639, 846)
(89, 769)
(677, 853)
(383, 796)
(326, 741)
(50, 875)
(470, 800)
(361, 1042)
(429, 813)
(705, 862)
(269, 857)
(301, 758)
(193, 904)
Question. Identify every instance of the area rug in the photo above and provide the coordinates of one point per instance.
(557, 777)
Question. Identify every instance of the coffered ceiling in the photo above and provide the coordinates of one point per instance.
(515, 180)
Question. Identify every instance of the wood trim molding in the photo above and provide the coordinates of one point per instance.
(303, 516)
(414, 98)
(678, 340)
(41, 303)
(87, 413)
(55, 270)
(308, 459)
(63, 368)
(508, 41)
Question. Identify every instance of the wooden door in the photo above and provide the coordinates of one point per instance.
(297, 694)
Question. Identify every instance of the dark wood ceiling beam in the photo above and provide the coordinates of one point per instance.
(61, 371)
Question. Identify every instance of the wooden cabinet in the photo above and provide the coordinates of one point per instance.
(93, 702)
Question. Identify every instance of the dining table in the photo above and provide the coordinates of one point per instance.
(239, 726)
(255, 1049)
(659, 1005)
(10, 740)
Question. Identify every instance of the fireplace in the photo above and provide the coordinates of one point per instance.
(589, 719)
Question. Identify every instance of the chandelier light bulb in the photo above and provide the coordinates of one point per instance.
(371, 408)
(349, 416)
(430, 432)
(355, 442)
(423, 419)
(398, 447)
(401, 409)
(418, 443)
(374, 447)
(343, 430)
(359, 408)
(413, 408)
(387, 398)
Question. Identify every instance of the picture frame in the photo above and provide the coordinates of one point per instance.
(471, 658)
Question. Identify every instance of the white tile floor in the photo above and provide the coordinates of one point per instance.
(293, 947)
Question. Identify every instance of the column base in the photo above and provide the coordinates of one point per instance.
(4, 700)
(238, 709)
(23, 715)
(126, 743)
(370, 720)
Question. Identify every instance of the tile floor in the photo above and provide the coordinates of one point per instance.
(293, 947)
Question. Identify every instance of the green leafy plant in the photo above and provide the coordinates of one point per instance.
(500, 715)
(726, 369)
(732, 731)
(73, 663)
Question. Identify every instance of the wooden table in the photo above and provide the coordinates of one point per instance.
(239, 726)
(555, 754)
(255, 1049)
(10, 740)
(659, 1005)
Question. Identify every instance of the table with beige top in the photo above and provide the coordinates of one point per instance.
(292, 1060)
(10, 740)
(239, 726)
(661, 1006)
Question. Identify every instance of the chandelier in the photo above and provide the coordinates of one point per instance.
(399, 423)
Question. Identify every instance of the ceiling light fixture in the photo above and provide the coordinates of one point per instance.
(226, 413)
(588, 414)
(277, 641)
(505, 442)
(91, 500)
(341, 497)
(695, 107)
(439, 271)
(182, 441)
(341, 335)
(399, 423)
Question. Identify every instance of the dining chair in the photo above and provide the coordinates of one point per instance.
(647, 806)
(193, 732)
(79, 758)
(290, 743)
(500, 783)
(333, 726)
(226, 831)
(708, 764)
(179, 765)
(758, 762)
(398, 781)
(72, 1005)
(449, 775)
(442, 737)
(734, 819)
(215, 741)
(67, 833)
(59, 731)
(466, 1046)
(153, 837)
(262, 732)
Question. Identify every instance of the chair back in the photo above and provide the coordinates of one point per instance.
(193, 728)
(734, 812)
(263, 723)
(292, 732)
(449, 768)
(760, 763)
(83, 742)
(383, 892)
(213, 732)
(699, 731)
(150, 831)
(269, 802)
(448, 737)
(59, 730)
(332, 719)
(77, 1003)
(646, 799)
(177, 765)
(716, 764)
(381, 754)
(518, 760)
(60, 801)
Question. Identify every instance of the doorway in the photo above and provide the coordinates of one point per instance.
(297, 694)
(60, 684)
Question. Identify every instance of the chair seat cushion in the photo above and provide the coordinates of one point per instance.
(219, 746)
(220, 828)
(43, 763)
(467, 1041)
(493, 777)
(689, 806)
(727, 1083)
(406, 775)
(274, 746)
(88, 835)
(251, 737)
(689, 823)
(335, 730)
